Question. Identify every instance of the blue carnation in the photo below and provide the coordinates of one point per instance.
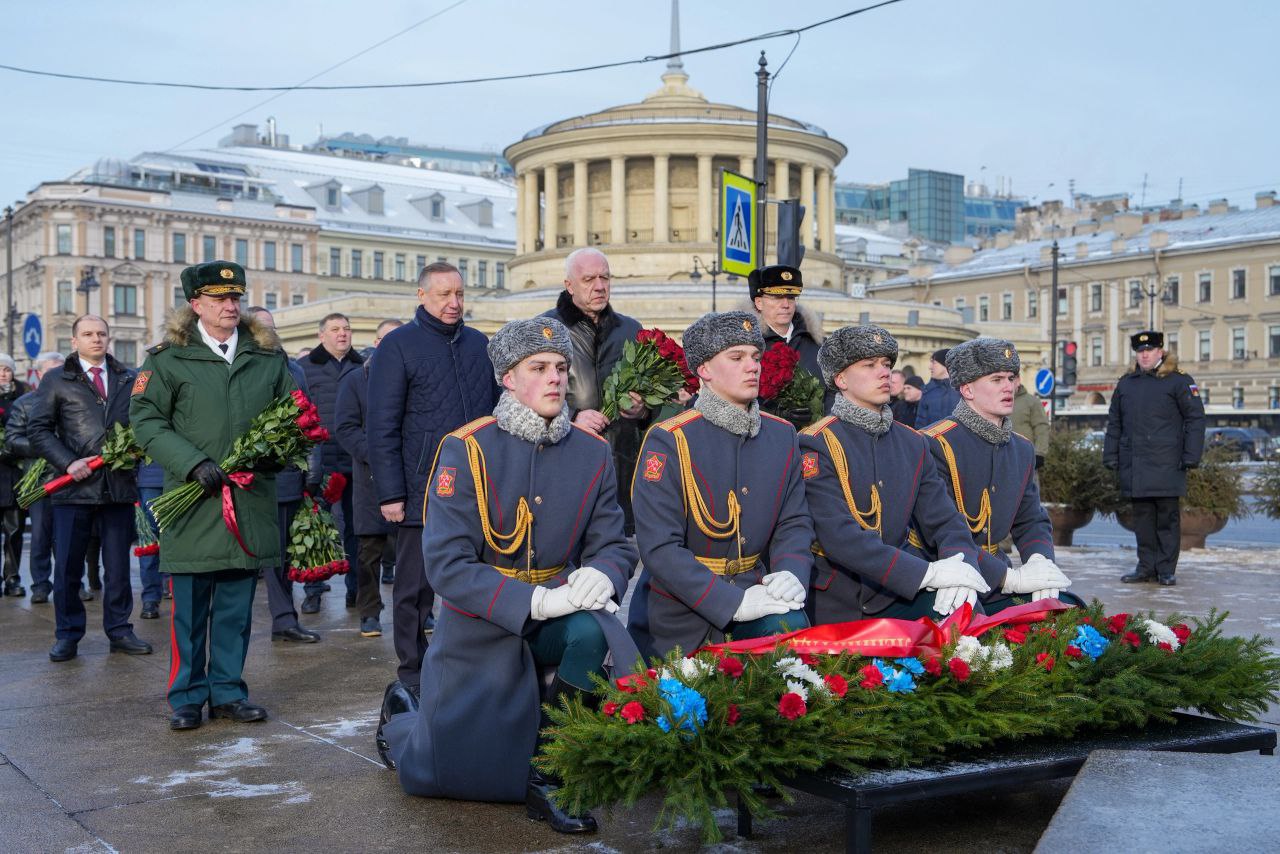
(1090, 641)
(688, 707)
(911, 665)
(897, 681)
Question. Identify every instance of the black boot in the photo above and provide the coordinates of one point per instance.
(395, 700)
(538, 801)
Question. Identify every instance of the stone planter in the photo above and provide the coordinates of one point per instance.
(1197, 525)
(1065, 521)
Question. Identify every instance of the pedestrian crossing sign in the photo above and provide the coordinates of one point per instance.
(738, 251)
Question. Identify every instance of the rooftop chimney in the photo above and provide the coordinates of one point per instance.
(1218, 206)
(1265, 199)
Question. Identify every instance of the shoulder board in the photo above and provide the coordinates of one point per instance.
(675, 422)
(467, 429)
(590, 433)
(163, 345)
(1020, 436)
(939, 428)
(818, 426)
(764, 414)
(906, 427)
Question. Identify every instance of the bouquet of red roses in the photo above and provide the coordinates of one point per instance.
(788, 389)
(653, 366)
(147, 542)
(315, 548)
(282, 435)
(119, 451)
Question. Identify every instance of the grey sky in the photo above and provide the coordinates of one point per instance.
(1096, 90)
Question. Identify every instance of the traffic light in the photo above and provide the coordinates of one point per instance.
(790, 249)
(1069, 349)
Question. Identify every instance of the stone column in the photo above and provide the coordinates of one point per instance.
(824, 210)
(579, 203)
(705, 190)
(520, 247)
(551, 217)
(661, 198)
(807, 199)
(747, 166)
(531, 210)
(618, 193)
(831, 213)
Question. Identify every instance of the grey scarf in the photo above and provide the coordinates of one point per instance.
(984, 428)
(728, 416)
(523, 423)
(875, 423)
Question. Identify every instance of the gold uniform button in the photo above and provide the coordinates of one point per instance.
(537, 499)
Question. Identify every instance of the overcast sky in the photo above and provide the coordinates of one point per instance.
(1040, 93)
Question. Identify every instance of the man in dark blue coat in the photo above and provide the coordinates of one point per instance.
(433, 376)
(721, 520)
(872, 488)
(1155, 434)
(529, 557)
(990, 473)
(939, 396)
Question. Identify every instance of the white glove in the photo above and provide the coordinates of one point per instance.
(949, 599)
(549, 603)
(1038, 573)
(590, 588)
(757, 603)
(784, 586)
(953, 572)
(1044, 594)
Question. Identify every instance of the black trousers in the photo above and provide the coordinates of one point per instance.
(12, 521)
(72, 524)
(1156, 522)
(279, 587)
(368, 571)
(411, 602)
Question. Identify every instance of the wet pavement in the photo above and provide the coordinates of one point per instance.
(87, 762)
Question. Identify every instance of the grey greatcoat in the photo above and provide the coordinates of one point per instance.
(474, 735)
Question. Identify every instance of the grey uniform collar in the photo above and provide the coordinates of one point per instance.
(728, 416)
(964, 414)
(523, 423)
(873, 422)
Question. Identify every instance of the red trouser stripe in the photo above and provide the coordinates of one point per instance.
(175, 658)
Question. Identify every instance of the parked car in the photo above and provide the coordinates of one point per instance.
(1251, 443)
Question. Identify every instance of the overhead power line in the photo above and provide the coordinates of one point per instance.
(307, 87)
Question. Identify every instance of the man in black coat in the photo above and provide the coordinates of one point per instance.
(939, 397)
(18, 445)
(12, 518)
(1155, 433)
(431, 376)
(73, 413)
(599, 334)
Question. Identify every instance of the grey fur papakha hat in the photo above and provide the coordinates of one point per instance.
(717, 331)
(975, 359)
(520, 339)
(850, 344)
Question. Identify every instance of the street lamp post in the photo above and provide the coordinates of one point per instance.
(88, 284)
(714, 270)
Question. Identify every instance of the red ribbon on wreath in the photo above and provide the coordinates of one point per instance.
(244, 480)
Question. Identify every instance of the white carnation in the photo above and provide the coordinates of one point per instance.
(1160, 633)
(798, 688)
(795, 670)
(967, 649)
(999, 656)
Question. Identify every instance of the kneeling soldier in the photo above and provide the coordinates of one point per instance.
(989, 472)
(721, 521)
(871, 484)
(526, 547)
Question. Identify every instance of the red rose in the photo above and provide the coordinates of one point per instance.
(651, 673)
(610, 708)
(1131, 639)
(1116, 622)
(791, 706)
(669, 349)
(933, 667)
(306, 421)
(1015, 635)
(836, 684)
(1046, 661)
(633, 712)
(872, 678)
(733, 716)
(730, 667)
(959, 669)
(299, 398)
(1073, 651)
(334, 487)
(1166, 646)
(631, 683)
(1182, 632)
(644, 336)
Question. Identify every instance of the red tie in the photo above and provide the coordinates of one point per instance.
(97, 382)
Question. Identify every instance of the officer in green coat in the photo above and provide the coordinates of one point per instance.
(198, 390)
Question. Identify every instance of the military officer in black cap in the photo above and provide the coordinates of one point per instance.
(1155, 433)
(526, 550)
(989, 471)
(721, 520)
(870, 482)
(775, 296)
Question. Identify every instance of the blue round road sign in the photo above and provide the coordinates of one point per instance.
(32, 335)
(1044, 382)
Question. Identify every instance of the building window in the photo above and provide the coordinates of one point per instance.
(1095, 296)
(500, 275)
(1238, 288)
(1172, 290)
(126, 352)
(1006, 306)
(441, 259)
(270, 300)
(437, 209)
(1206, 345)
(64, 240)
(1095, 351)
(462, 268)
(1171, 343)
(1237, 342)
(64, 345)
(1135, 293)
(298, 299)
(179, 297)
(335, 261)
(269, 255)
(109, 241)
(357, 264)
(208, 248)
(1205, 292)
(1062, 302)
(242, 252)
(482, 273)
(1237, 398)
(331, 197)
(179, 248)
(295, 257)
(1273, 277)
(421, 262)
(961, 303)
(984, 309)
(1033, 304)
(1273, 397)
(125, 299)
(377, 264)
(1273, 339)
(399, 268)
(66, 303)
(140, 244)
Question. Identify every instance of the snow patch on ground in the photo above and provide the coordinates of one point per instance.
(217, 778)
(344, 728)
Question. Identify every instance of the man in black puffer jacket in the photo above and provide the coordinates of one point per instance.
(73, 412)
(431, 376)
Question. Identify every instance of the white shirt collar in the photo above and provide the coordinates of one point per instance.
(214, 342)
(791, 327)
(85, 366)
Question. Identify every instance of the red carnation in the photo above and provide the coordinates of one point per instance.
(933, 667)
(1182, 632)
(1166, 646)
(1131, 639)
(631, 683)
(872, 678)
(836, 684)
(610, 708)
(1046, 661)
(960, 669)
(730, 667)
(792, 706)
(808, 658)
(633, 712)
(733, 716)
(651, 673)
(1015, 635)
(1116, 622)
(1073, 651)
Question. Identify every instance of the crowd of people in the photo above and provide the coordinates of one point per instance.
(516, 513)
